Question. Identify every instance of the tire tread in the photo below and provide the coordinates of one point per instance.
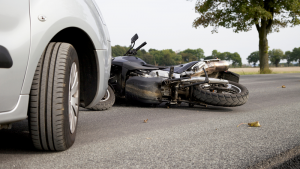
(46, 115)
(219, 99)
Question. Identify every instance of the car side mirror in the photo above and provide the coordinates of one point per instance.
(134, 38)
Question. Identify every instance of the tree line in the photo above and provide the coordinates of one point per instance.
(169, 57)
(276, 55)
(266, 15)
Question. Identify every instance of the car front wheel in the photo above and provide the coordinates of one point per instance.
(54, 98)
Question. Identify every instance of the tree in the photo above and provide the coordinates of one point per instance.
(224, 56)
(168, 57)
(208, 58)
(157, 55)
(236, 59)
(275, 56)
(253, 58)
(288, 57)
(199, 53)
(148, 58)
(296, 55)
(178, 59)
(118, 50)
(187, 57)
(266, 15)
(215, 54)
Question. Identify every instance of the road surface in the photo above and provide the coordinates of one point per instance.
(179, 137)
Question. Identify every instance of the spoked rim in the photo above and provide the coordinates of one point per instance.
(231, 89)
(106, 96)
(73, 97)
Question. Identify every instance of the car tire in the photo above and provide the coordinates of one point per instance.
(107, 101)
(54, 97)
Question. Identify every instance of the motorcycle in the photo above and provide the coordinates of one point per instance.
(204, 83)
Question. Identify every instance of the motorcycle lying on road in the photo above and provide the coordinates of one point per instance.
(204, 83)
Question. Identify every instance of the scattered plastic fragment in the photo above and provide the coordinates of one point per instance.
(254, 124)
(145, 121)
(283, 86)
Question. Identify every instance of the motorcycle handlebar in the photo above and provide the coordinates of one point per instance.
(142, 45)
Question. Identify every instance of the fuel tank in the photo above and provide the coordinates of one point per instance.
(144, 90)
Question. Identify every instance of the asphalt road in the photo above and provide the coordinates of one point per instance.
(179, 137)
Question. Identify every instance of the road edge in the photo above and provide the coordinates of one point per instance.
(278, 160)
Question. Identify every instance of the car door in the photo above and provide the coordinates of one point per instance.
(14, 50)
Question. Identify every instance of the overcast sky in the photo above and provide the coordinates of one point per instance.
(167, 24)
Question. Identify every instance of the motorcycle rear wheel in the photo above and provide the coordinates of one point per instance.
(225, 99)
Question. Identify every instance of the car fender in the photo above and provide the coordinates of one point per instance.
(59, 15)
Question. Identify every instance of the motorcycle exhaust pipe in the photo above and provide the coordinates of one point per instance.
(218, 66)
(210, 67)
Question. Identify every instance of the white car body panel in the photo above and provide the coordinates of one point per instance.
(102, 62)
(59, 15)
(15, 37)
(17, 113)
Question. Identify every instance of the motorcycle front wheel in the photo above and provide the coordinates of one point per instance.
(107, 101)
(236, 95)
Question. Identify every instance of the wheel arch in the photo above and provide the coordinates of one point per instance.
(85, 48)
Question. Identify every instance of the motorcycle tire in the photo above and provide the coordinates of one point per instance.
(222, 99)
(107, 101)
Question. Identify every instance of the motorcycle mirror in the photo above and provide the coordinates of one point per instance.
(134, 38)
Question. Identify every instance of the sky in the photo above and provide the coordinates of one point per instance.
(167, 24)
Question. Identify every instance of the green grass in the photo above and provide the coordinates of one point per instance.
(255, 73)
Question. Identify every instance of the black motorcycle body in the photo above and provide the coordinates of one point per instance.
(199, 82)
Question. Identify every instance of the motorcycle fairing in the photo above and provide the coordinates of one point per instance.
(121, 59)
(137, 66)
(183, 67)
(131, 63)
(145, 90)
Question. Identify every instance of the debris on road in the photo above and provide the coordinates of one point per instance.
(283, 86)
(145, 121)
(254, 124)
(240, 124)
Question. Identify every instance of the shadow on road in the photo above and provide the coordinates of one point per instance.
(206, 109)
(184, 106)
(16, 140)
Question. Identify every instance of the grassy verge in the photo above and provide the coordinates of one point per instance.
(254, 73)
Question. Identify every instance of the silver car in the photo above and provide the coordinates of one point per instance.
(54, 56)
